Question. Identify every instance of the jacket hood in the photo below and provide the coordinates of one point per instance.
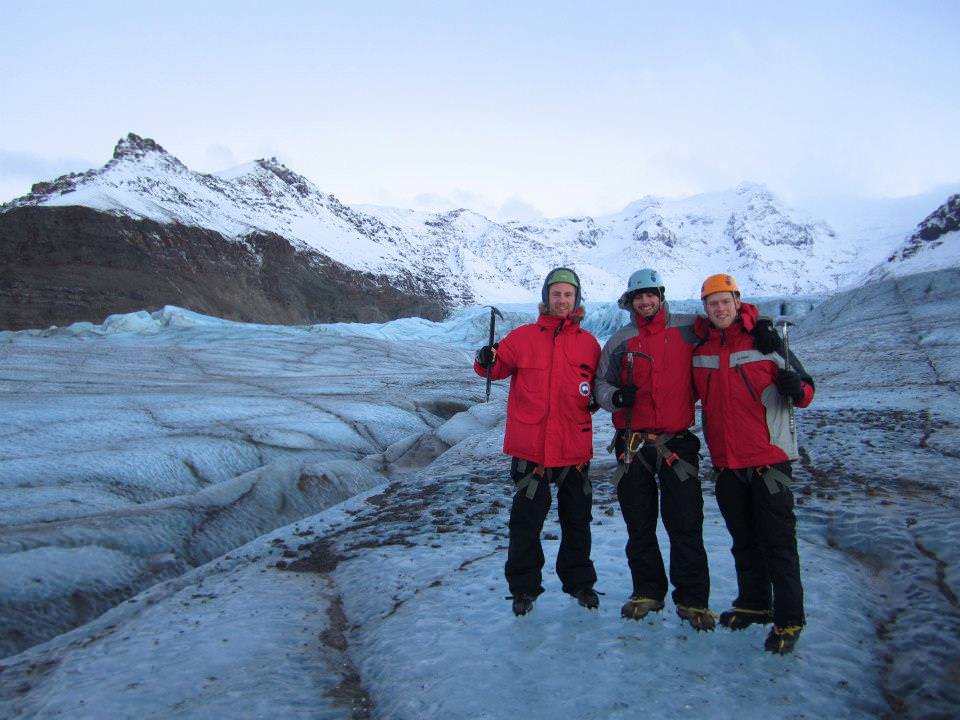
(747, 318)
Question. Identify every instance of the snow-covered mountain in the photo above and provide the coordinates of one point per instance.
(933, 245)
(462, 256)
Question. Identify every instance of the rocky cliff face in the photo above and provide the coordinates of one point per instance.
(65, 264)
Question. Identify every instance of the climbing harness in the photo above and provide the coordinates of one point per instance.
(658, 441)
(532, 479)
(774, 479)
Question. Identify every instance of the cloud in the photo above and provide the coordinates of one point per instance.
(454, 200)
(23, 165)
(220, 157)
(20, 170)
(515, 208)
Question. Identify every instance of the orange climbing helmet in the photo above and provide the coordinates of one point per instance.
(719, 283)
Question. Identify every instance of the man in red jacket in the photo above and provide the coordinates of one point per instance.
(747, 392)
(549, 435)
(655, 400)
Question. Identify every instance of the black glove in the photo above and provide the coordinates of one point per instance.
(790, 385)
(485, 355)
(625, 396)
(765, 337)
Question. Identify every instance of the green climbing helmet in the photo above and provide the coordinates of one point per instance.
(560, 275)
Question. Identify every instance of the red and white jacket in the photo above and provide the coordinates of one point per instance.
(745, 419)
(551, 365)
(665, 397)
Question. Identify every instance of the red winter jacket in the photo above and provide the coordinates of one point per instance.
(665, 396)
(745, 419)
(551, 364)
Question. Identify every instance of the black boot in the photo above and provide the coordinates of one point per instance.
(740, 618)
(637, 607)
(781, 640)
(588, 598)
(522, 603)
(700, 619)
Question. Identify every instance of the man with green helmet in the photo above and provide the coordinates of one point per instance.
(549, 436)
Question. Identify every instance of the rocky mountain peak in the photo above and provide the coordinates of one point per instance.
(299, 183)
(749, 187)
(931, 229)
(944, 219)
(933, 245)
(134, 146)
(638, 207)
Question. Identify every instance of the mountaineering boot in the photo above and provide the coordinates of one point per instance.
(740, 618)
(637, 607)
(522, 603)
(781, 640)
(700, 619)
(588, 598)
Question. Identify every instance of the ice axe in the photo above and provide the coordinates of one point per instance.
(628, 452)
(784, 324)
(493, 326)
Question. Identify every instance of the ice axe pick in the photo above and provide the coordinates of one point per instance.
(493, 326)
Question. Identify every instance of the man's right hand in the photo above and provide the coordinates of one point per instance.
(625, 396)
(487, 356)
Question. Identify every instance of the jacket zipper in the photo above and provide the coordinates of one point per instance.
(753, 395)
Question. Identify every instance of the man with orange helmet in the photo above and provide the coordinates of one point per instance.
(747, 384)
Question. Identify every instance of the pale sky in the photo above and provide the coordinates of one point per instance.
(509, 108)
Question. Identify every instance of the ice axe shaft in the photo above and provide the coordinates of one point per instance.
(493, 327)
(784, 325)
(628, 452)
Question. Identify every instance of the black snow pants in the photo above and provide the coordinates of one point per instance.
(759, 514)
(525, 560)
(681, 503)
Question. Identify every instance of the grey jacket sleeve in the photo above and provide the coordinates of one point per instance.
(608, 371)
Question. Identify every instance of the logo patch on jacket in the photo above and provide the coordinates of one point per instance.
(585, 389)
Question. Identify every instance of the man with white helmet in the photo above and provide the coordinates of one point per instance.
(644, 379)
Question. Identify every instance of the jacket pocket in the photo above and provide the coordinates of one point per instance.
(581, 440)
(529, 392)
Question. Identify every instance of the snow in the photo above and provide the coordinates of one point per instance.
(311, 522)
(944, 252)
